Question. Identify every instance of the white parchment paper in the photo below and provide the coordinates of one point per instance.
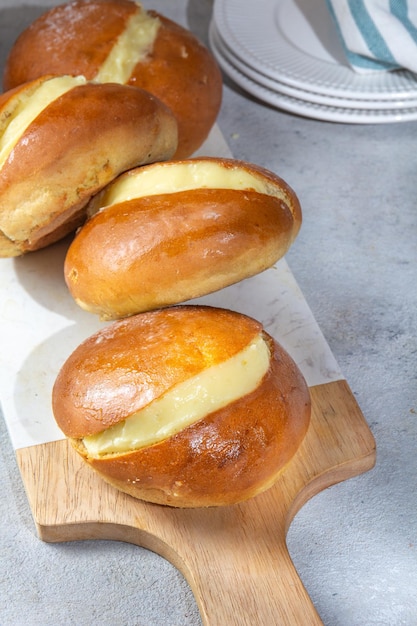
(40, 325)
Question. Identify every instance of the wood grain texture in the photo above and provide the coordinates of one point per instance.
(234, 558)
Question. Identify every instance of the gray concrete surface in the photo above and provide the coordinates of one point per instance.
(355, 544)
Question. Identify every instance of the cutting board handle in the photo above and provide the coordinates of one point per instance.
(244, 576)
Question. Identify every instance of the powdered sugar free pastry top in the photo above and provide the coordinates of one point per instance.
(62, 139)
(185, 406)
(168, 232)
(118, 41)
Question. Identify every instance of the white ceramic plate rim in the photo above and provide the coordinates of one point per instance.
(302, 94)
(310, 109)
(255, 32)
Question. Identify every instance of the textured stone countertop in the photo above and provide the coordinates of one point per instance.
(355, 544)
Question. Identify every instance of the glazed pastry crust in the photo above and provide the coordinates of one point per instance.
(78, 144)
(164, 249)
(227, 456)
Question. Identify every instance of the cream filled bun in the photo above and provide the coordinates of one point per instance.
(62, 139)
(118, 41)
(189, 406)
(170, 232)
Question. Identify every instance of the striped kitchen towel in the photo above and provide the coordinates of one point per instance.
(377, 34)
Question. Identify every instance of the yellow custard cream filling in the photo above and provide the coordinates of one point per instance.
(175, 177)
(133, 45)
(28, 106)
(186, 403)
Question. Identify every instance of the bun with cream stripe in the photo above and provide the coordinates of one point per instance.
(62, 139)
(189, 406)
(169, 232)
(118, 41)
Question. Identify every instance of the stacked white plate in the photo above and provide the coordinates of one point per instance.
(287, 53)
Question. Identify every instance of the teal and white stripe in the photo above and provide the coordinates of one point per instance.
(377, 34)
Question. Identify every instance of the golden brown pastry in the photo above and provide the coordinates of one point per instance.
(118, 41)
(61, 140)
(188, 406)
(169, 232)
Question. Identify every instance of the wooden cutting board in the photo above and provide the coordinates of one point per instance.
(234, 558)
